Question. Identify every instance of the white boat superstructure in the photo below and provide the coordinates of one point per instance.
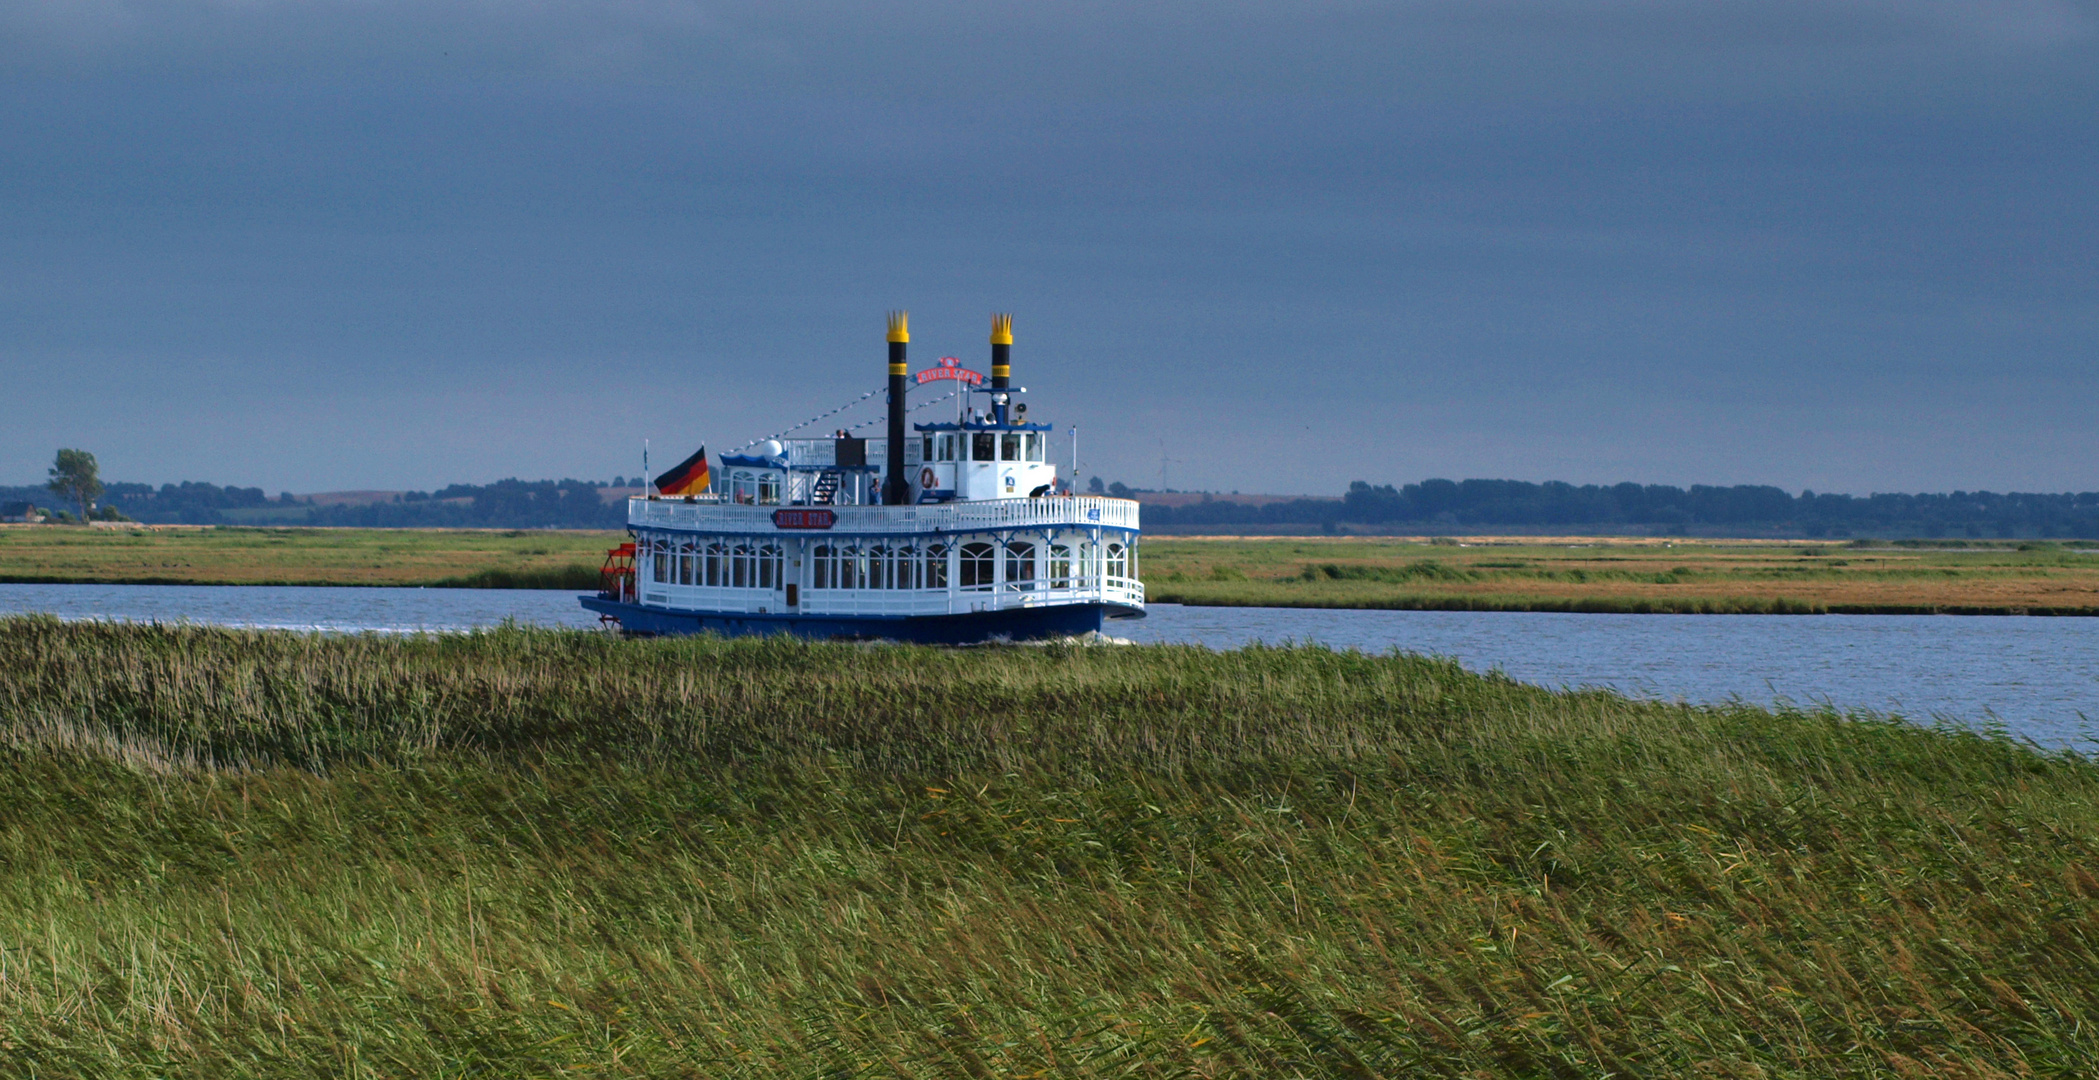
(954, 531)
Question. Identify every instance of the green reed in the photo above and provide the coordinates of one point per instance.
(536, 853)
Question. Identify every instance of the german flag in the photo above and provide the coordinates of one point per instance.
(689, 477)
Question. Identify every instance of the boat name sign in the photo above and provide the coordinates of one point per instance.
(803, 518)
(950, 368)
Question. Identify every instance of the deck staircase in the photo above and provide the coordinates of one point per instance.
(826, 487)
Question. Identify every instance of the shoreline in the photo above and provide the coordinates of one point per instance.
(1605, 605)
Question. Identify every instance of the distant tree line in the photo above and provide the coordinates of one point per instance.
(505, 504)
(1659, 508)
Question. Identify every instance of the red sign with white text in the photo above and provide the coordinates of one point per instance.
(950, 368)
(804, 518)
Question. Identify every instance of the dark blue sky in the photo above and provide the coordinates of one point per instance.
(1845, 245)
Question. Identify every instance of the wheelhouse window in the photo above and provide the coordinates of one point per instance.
(1020, 565)
(743, 486)
(975, 566)
(1009, 447)
(1038, 447)
(983, 446)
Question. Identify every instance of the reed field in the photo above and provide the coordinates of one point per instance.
(1470, 574)
(539, 853)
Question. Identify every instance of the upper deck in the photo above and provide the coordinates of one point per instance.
(711, 514)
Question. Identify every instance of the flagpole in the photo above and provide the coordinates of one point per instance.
(645, 480)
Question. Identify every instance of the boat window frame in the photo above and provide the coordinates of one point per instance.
(976, 565)
(1019, 556)
(769, 568)
(1059, 575)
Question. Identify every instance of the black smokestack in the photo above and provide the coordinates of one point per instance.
(1001, 359)
(896, 488)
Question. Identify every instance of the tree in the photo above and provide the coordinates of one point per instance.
(76, 476)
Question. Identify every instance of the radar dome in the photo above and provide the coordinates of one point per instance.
(771, 448)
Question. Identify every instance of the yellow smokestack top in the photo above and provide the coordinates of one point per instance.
(900, 326)
(1002, 329)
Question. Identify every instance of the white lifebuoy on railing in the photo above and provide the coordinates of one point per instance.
(927, 480)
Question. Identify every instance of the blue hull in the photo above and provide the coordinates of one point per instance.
(1019, 624)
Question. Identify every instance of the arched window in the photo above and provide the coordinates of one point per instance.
(905, 576)
(1118, 561)
(769, 487)
(660, 565)
(1060, 566)
(685, 561)
(878, 568)
(743, 488)
(715, 558)
(976, 567)
(823, 561)
(936, 566)
(769, 567)
(1020, 564)
(742, 567)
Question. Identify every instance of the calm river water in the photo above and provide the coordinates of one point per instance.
(2038, 677)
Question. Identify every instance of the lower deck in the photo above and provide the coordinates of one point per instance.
(892, 576)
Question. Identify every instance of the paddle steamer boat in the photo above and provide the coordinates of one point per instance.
(953, 532)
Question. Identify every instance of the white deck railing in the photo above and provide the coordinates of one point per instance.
(955, 517)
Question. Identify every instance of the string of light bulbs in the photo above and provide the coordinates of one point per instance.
(844, 407)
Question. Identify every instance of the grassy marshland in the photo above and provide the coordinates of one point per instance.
(531, 853)
(1477, 574)
(183, 555)
(1628, 575)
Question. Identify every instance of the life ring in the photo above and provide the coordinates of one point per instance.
(927, 480)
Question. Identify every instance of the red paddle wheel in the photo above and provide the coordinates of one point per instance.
(616, 578)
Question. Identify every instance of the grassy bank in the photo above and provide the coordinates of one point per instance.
(1630, 576)
(1478, 574)
(178, 555)
(232, 853)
